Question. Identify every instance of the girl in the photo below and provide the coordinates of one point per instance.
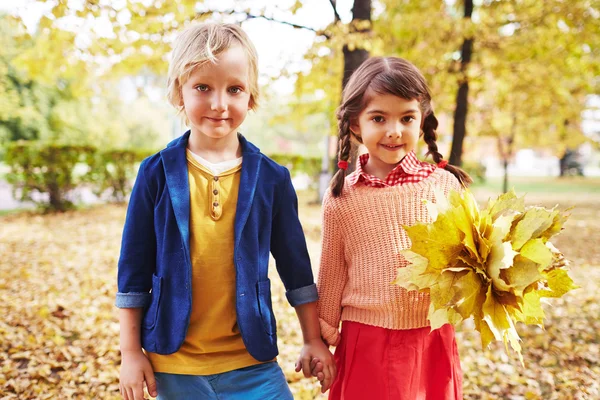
(385, 349)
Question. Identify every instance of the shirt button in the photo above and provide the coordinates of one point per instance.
(215, 204)
(215, 192)
(216, 178)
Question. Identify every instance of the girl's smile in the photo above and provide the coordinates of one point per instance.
(392, 147)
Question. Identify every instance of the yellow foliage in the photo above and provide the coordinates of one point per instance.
(493, 264)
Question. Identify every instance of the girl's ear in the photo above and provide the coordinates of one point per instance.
(355, 128)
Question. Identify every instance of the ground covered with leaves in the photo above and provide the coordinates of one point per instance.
(59, 329)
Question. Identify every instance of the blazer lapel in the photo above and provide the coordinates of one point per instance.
(176, 172)
(248, 180)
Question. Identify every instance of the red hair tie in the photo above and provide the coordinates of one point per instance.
(343, 164)
(442, 164)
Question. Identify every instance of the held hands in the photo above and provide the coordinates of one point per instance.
(135, 370)
(316, 360)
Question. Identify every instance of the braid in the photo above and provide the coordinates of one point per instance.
(430, 136)
(345, 146)
(430, 124)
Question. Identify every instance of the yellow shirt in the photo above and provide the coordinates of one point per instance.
(213, 343)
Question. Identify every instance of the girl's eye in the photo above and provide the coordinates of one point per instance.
(378, 118)
(235, 90)
(408, 119)
(202, 88)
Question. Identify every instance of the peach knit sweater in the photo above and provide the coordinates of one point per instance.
(362, 239)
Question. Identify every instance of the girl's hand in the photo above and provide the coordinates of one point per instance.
(135, 370)
(316, 356)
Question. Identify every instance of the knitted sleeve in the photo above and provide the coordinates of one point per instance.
(333, 274)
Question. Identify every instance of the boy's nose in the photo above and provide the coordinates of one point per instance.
(218, 103)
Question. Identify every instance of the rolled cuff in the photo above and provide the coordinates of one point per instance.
(303, 295)
(132, 300)
(330, 335)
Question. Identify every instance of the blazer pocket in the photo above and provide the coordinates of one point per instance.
(265, 307)
(152, 312)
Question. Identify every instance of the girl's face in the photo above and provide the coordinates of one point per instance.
(389, 127)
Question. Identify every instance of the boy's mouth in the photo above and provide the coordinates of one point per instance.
(216, 120)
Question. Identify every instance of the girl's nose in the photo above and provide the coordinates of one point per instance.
(395, 131)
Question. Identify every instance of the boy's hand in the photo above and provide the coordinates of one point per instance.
(314, 358)
(135, 370)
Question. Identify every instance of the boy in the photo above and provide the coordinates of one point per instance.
(204, 214)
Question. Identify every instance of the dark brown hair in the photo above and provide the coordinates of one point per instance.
(386, 75)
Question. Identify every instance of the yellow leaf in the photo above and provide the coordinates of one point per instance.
(442, 292)
(487, 336)
(501, 257)
(557, 224)
(559, 283)
(505, 203)
(416, 275)
(531, 311)
(463, 213)
(495, 315)
(439, 241)
(535, 220)
(437, 318)
(500, 228)
(537, 251)
(523, 273)
(471, 294)
(511, 336)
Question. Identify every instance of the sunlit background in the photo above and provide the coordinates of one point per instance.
(515, 85)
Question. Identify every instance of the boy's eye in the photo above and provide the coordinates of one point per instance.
(235, 90)
(378, 118)
(202, 88)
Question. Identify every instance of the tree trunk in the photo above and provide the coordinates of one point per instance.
(509, 151)
(361, 11)
(462, 96)
(505, 181)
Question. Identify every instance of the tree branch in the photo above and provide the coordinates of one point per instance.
(337, 16)
(253, 16)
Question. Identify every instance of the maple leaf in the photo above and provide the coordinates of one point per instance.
(493, 265)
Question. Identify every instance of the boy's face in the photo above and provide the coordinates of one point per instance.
(216, 97)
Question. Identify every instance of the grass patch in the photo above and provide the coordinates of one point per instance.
(544, 185)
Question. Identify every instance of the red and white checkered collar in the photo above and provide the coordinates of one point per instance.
(409, 170)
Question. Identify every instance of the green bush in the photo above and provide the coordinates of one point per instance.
(46, 169)
(299, 164)
(114, 170)
(476, 170)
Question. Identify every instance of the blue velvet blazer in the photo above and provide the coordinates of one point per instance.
(155, 270)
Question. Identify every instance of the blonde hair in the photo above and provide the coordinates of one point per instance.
(201, 43)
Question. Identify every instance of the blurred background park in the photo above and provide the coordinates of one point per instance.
(515, 84)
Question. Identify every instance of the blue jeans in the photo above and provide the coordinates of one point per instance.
(261, 382)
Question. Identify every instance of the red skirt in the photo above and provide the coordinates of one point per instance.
(381, 364)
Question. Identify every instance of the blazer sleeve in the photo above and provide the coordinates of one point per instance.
(137, 261)
(288, 246)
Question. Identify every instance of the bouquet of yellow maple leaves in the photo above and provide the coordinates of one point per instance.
(493, 264)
